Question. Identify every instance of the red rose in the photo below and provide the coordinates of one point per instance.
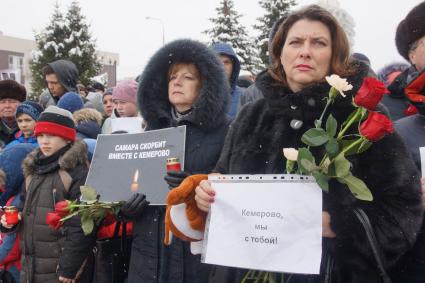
(53, 220)
(62, 208)
(411, 110)
(376, 126)
(370, 93)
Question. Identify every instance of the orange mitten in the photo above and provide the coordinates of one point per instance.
(183, 218)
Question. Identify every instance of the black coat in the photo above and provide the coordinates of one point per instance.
(254, 146)
(48, 253)
(207, 124)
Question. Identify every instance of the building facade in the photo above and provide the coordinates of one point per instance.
(15, 57)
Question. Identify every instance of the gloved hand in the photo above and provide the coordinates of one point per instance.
(134, 206)
(174, 178)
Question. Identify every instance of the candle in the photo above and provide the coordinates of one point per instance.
(135, 184)
(11, 213)
(173, 164)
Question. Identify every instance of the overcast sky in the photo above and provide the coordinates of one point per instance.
(122, 27)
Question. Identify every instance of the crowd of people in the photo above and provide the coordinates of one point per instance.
(235, 124)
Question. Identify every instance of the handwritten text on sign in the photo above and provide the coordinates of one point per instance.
(273, 225)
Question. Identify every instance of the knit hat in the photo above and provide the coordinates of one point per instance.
(33, 109)
(410, 29)
(108, 91)
(125, 90)
(98, 86)
(71, 101)
(56, 121)
(12, 89)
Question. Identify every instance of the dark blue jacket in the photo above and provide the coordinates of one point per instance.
(222, 48)
(10, 163)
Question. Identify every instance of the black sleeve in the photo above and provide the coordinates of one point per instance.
(395, 212)
(77, 247)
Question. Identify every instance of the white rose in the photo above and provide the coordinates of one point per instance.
(290, 154)
(338, 83)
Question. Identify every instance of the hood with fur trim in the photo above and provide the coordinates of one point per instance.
(210, 108)
(73, 157)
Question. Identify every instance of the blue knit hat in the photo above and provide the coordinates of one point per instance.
(33, 109)
(71, 101)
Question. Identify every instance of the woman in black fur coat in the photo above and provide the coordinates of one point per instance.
(308, 46)
(183, 84)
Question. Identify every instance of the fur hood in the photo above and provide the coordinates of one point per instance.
(210, 108)
(73, 157)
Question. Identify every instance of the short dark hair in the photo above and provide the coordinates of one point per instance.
(340, 46)
(47, 70)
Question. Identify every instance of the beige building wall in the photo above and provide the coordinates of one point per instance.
(23, 48)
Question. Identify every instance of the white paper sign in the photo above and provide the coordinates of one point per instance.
(265, 222)
(422, 153)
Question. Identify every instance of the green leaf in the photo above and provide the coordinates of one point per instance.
(305, 154)
(342, 166)
(88, 194)
(361, 147)
(307, 165)
(315, 137)
(331, 126)
(364, 146)
(357, 187)
(317, 123)
(87, 224)
(332, 147)
(322, 180)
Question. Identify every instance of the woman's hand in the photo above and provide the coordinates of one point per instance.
(204, 195)
(327, 231)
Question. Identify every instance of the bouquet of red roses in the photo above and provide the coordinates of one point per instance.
(366, 126)
(89, 208)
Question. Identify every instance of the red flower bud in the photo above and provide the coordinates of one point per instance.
(411, 110)
(53, 220)
(376, 126)
(370, 93)
(62, 208)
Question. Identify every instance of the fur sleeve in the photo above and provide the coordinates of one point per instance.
(395, 213)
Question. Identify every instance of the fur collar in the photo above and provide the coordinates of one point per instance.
(73, 157)
(210, 108)
(308, 104)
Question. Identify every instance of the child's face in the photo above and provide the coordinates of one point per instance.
(26, 124)
(50, 144)
(125, 108)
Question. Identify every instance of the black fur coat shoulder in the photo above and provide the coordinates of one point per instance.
(254, 146)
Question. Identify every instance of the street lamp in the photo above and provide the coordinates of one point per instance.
(162, 24)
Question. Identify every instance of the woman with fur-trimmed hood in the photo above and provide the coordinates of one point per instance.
(183, 84)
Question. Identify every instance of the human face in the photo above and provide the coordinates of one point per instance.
(54, 86)
(26, 124)
(184, 85)
(125, 108)
(8, 108)
(417, 55)
(228, 65)
(108, 105)
(50, 144)
(306, 54)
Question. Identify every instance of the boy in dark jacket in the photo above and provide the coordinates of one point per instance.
(53, 172)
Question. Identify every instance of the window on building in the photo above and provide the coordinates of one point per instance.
(16, 62)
